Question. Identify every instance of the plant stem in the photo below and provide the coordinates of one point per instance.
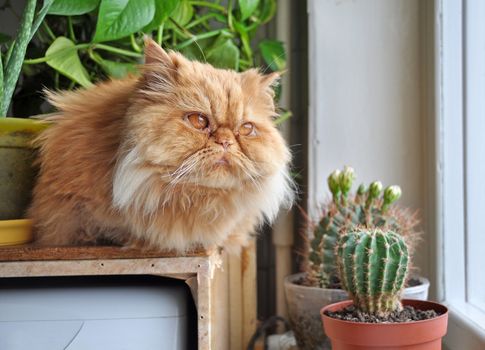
(58, 53)
(7, 55)
(283, 117)
(200, 20)
(71, 29)
(196, 38)
(134, 45)
(183, 31)
(208, 4)
(84, 46)
(229, 15)
(160, 34)
(182, 34)
(49, 30)
(116, 50)
(40, 17)
(14, 64)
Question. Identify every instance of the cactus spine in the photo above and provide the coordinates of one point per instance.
(373, 265)
(370, 207)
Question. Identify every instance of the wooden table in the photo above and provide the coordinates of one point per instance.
(201, 270)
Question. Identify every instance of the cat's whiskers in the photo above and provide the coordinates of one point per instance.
(185, 168)
(247, 167)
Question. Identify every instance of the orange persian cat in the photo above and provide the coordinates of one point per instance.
(184, 155)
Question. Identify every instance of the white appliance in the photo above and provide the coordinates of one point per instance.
(99, 316)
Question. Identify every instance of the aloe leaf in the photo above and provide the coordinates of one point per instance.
(14, 64)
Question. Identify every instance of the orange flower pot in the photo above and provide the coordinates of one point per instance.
(417, 335)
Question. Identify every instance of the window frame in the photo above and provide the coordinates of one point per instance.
(457, 23)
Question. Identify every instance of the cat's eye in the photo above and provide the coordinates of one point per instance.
(198, 120)
(247, 129)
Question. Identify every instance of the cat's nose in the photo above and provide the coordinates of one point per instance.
(225, 143)
(224, 138)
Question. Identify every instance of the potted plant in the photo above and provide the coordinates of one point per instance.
(80, 43)
(373, 266)
(16, 152)
(319, 283)
(83, 42)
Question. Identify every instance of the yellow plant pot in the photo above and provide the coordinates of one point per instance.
(17, 175)
(15, 232)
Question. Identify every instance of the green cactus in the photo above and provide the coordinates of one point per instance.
(373, 265)
(369, 208)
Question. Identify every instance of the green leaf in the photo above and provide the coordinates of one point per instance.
(181, 15)
(273, 53)
(283, 117)
(196, 51)
(224, 54)
(267, 10)
(163, 9)
(66, 61)
(115, 69)
(247, 8)
(245, 40)
(120, 18)
(72, 7)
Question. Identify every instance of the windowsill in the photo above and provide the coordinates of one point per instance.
(466, 327)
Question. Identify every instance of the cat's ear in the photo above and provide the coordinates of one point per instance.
(252, 78)
(155, 54)
(271, 80)
(160, 69)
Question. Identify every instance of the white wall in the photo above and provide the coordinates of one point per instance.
(365, 96)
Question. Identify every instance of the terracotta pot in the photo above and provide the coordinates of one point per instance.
(304, 304)
(418, 335)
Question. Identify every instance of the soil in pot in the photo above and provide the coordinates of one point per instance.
(407, 314)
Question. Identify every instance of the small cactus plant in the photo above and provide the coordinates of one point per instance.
(373, 265)
(370, 207)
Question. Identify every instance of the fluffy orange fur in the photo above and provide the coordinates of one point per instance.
(123, 163)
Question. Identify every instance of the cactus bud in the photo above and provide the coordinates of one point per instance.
(361, 190)
(346, 179)
(333, 184)
(375, 189)
(391, 194)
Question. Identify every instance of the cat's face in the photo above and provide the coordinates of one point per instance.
(195, 124)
